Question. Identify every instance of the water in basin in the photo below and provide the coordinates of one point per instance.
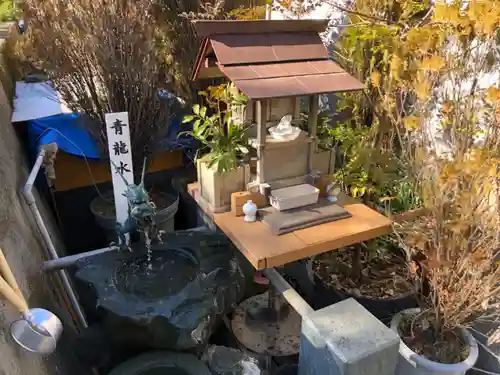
(157, 275)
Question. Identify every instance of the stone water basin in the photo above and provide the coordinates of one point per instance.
(172, 302)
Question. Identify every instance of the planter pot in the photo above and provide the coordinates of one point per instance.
(319, 295)
(410, 363)
(382, 309)
(157, 363)
(104, 213)
(216, 188)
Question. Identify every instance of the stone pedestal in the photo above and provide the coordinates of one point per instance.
(345, 339)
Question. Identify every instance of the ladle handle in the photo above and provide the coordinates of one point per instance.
(7, 274)
(11, 296)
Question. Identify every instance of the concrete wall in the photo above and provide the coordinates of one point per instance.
(25, 251)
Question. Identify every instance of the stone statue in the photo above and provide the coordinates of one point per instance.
(142, 212)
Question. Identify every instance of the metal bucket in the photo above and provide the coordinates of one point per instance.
(39, 332)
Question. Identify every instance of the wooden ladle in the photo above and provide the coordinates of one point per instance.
(39, 330)
(9, 287)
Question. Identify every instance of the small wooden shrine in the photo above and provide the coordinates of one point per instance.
(278, 65)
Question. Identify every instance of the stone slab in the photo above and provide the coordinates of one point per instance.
(345, 339)
(282, 222)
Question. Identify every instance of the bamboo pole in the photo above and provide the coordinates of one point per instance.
(8, 276)
(18, 302)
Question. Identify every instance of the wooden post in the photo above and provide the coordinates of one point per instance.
(312, 126)
(261, 113)
(296, 108)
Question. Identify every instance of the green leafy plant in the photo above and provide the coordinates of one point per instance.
(324, 131)
(402, 197)
(215, 128)
(7, 11)
(363, 170)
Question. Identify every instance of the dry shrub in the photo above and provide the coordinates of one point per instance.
(108, 56)
(459, 239)
(115, 55)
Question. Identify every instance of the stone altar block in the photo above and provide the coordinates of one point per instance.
(345, 339)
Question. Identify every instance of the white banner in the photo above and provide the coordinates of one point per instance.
(120, 153)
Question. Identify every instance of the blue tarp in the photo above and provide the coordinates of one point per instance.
(64, 130)
(71, 137)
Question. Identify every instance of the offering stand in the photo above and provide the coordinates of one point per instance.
(276, 63)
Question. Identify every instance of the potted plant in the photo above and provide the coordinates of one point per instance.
(109, 56)
(374, 272)
(456, 244)
(223, 170)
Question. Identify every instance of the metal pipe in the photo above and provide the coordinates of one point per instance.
(68, 261)
(30, 199)
(286, 290)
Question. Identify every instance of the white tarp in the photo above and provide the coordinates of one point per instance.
(36, 100)
(337, 18)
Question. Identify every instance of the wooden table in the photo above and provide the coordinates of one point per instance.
(265, 250)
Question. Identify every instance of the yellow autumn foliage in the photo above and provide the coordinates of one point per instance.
(433, 63)
(493, 94)
(423, 90)
(485, 15)
(375, 78)
(447, 13)
(411, 122)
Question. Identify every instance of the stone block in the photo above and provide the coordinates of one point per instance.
(345, 339)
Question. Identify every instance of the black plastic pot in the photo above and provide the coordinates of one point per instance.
(164, 218)
(382, 309)
(320, 295)
(160, 363)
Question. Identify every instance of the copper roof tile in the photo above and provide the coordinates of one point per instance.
(297, 86)
(208, 28)
(287, 69)
(257, 48)
(271, 59)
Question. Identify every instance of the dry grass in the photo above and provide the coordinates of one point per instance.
(109, 56)
(458, 239)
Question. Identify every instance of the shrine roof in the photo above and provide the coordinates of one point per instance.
(270, 59)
